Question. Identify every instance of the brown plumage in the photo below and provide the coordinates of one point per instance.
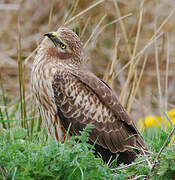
(68, 93)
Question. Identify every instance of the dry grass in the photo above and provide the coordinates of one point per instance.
(142, 43)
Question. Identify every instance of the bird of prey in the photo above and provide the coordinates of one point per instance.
(68, 93)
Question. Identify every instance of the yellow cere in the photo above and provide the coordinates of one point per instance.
(54, 34)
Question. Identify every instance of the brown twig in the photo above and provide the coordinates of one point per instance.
(133, 164)
(2, 174)
(156, 160)
(138, 177)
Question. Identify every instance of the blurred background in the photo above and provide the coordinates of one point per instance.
(129, 44)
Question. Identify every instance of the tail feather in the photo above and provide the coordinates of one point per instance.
(125, 157)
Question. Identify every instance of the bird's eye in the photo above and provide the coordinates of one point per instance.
(63, 46)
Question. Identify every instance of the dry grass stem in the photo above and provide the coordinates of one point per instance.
(85, 27)
(158, 81)
(50, 14)
(123, 29)
(75, 5)
(110, 74)
(137, 85)
(156, 160)
(139, 53)
(138, 29)
(113, 22)
(31, 55)
(138, 177)
(163, 24)
(94, 31)
(149, 160)
(5, 105)
(132, 68)
(83, 12)
(20, 77)
(133, 164)
(167, 73)
(71, 11)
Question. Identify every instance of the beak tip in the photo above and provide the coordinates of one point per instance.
(50, 34)
(47, 34)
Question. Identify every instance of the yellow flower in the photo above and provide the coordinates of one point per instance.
(151, 121)
(171, 113)
(155, 121)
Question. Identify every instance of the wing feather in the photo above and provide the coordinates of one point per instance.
(108, 97)
(82, 98)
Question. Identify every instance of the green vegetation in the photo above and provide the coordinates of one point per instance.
(23, 159)
(41, 157)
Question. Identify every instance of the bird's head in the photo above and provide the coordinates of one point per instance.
(65, 44)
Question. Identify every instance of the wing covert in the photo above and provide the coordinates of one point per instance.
(82, 98)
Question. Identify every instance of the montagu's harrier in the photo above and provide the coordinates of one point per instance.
(68, 93)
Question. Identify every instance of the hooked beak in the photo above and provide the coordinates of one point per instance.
(51, 34)
(53, 37)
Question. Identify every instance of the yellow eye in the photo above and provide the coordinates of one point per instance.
(63, 46)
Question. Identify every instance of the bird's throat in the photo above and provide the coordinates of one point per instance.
(61, 55)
